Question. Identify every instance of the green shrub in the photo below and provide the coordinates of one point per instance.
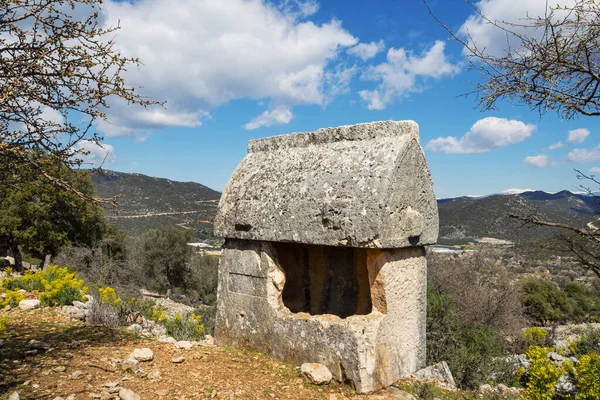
(12, 298)
(542, 374)
(185, 327)
(588, 342)
(61, 287)
(30, 282)
(543, 301)
(57, 286)
(469, 349)
(208, 314)
(4, 321)
(588, 377)
(534, 336)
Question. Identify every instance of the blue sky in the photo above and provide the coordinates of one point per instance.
(235, 70)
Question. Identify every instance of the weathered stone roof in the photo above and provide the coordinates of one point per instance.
(365, 185)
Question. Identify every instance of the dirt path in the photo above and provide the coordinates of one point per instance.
(206, 373)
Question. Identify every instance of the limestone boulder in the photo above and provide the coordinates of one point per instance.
(128, 394)
(29, 304)
(439, 372)
(143, 355)
(317, 374)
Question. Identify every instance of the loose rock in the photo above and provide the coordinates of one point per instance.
(128, 394)
(29, 304)
(14, 396)
(77, 374)
(37, 345)
(439, 372)
(317, 374)
(178, 360)
(154, 374)
(183, 344)
(130, 365)
(143, 355)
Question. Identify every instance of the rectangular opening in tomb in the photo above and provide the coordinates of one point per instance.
(324, 279)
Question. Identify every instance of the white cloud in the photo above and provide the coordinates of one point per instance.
(582, 156)
(279, 115)
(51, 115)
(495, 41)
(299, 8)
(197, 55)
(578, 135)
(399, 75)
(595, 170)
(537, 161)
(94, 154)
(367, 51)
(556, 145)
(485, 135)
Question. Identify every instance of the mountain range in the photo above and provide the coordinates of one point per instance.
(147, 202)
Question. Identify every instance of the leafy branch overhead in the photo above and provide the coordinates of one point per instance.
(550, 62)
(58, 68)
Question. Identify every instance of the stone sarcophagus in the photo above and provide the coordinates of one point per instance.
(324, 258)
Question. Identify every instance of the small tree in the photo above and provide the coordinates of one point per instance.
(166, 256)
(58, 68)
(39, 218)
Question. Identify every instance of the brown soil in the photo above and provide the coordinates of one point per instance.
(206, 373)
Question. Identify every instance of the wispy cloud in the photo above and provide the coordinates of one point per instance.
(276, 116)
(557, 145)
(485, 135)
(537, 161)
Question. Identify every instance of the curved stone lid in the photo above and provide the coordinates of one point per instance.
(365, 185)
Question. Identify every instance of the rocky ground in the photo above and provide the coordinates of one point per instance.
(47, 355)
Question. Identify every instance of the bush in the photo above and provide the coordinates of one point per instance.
(12, 298)
(588, 342)
(543, 301)
(61, 287)
(546, 303)
(30, 282)
(4, 321)
(481, 287)
(57, 286)
(542, 375)
(185, 326)
(109, 296)
(588, 377)
(469, 349)
(103, 314)
(534, 336)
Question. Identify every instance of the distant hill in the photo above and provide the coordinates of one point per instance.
(147, 202)
(465, 219)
